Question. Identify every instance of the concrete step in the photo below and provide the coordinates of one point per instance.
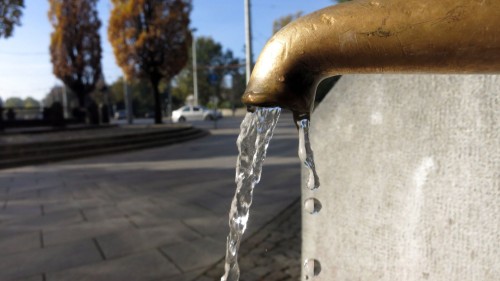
(26, 146)
(62, 150)
(36, 148)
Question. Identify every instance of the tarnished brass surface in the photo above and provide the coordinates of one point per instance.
(394, 36)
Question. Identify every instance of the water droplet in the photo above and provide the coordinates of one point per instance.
(312, 268)
(306, 154)
(281, 78)
(312, 205)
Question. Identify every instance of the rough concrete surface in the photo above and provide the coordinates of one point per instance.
(409, 166)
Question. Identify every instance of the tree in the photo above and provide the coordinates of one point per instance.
(212, 61)
(10, 15)
(75, 45)
(30, 102)
(56, 94)
(281, 22)
(140, 91)
(14, 102)
(151, 40)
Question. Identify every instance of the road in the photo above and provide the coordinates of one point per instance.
(156, 214)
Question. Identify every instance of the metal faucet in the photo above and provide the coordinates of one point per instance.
(374, 36)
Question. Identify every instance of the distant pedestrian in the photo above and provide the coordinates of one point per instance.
(11, 114)
(1, 114)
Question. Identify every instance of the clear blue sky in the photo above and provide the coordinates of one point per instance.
(25, 68)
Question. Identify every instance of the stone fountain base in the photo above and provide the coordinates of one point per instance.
(410, 183)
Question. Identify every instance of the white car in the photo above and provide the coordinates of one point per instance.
(192, 113)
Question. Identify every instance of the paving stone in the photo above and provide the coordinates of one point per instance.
(18, 242)
(146, 266)
(48, 259)
(5, 184)
(20, 208)
(168, 210)
(137, 206)
(38, 277)
(49, 221)
(136, 240)
(196, 254)
(58, 192)
(214, 203)
(272, 254)
(87, 191)
(102, 213)
(214, 226)
(85, 230)
(187, 276)
(205, 278)
(55, 205)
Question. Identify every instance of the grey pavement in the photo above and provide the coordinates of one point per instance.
(271, 254)
(156, 214)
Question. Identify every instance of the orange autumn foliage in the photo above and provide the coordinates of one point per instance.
(150, 40)
(75, 45)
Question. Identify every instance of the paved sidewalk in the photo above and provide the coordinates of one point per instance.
(157, 214)
(272, 253)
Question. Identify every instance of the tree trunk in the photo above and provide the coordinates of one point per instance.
(81, 100)
(156, 92)
(80, 113)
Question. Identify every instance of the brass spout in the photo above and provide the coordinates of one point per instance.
(402, 36)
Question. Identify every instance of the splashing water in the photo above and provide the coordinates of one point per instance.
(256, 132)
(306, 153)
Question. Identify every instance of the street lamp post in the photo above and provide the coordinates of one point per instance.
(128, 101)
(248, 39)
(195, 71)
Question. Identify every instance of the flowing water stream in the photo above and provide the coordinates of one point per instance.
(256, 131)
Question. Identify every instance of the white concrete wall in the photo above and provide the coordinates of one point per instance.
(410, 179)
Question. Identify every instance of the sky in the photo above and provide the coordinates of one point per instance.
(26, 70)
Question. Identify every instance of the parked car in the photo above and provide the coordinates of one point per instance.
(149, 114)
(192, 113)
(120, 114)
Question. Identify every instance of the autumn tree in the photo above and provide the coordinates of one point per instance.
(151, 40)
(10, 15)
(282, 21)
(75, 45)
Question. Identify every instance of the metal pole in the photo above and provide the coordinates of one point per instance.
(128, 101)
(65, 101)
(169, 107)
(248, 40)
(195, 73)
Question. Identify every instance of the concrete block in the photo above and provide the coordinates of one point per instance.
(137, 240)
(145, 266)
(196, 254)
(408, 166)
(14, 242)
(49, 259)
(213, 226)
(85, 230)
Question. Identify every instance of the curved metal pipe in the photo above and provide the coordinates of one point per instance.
(404, 36)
